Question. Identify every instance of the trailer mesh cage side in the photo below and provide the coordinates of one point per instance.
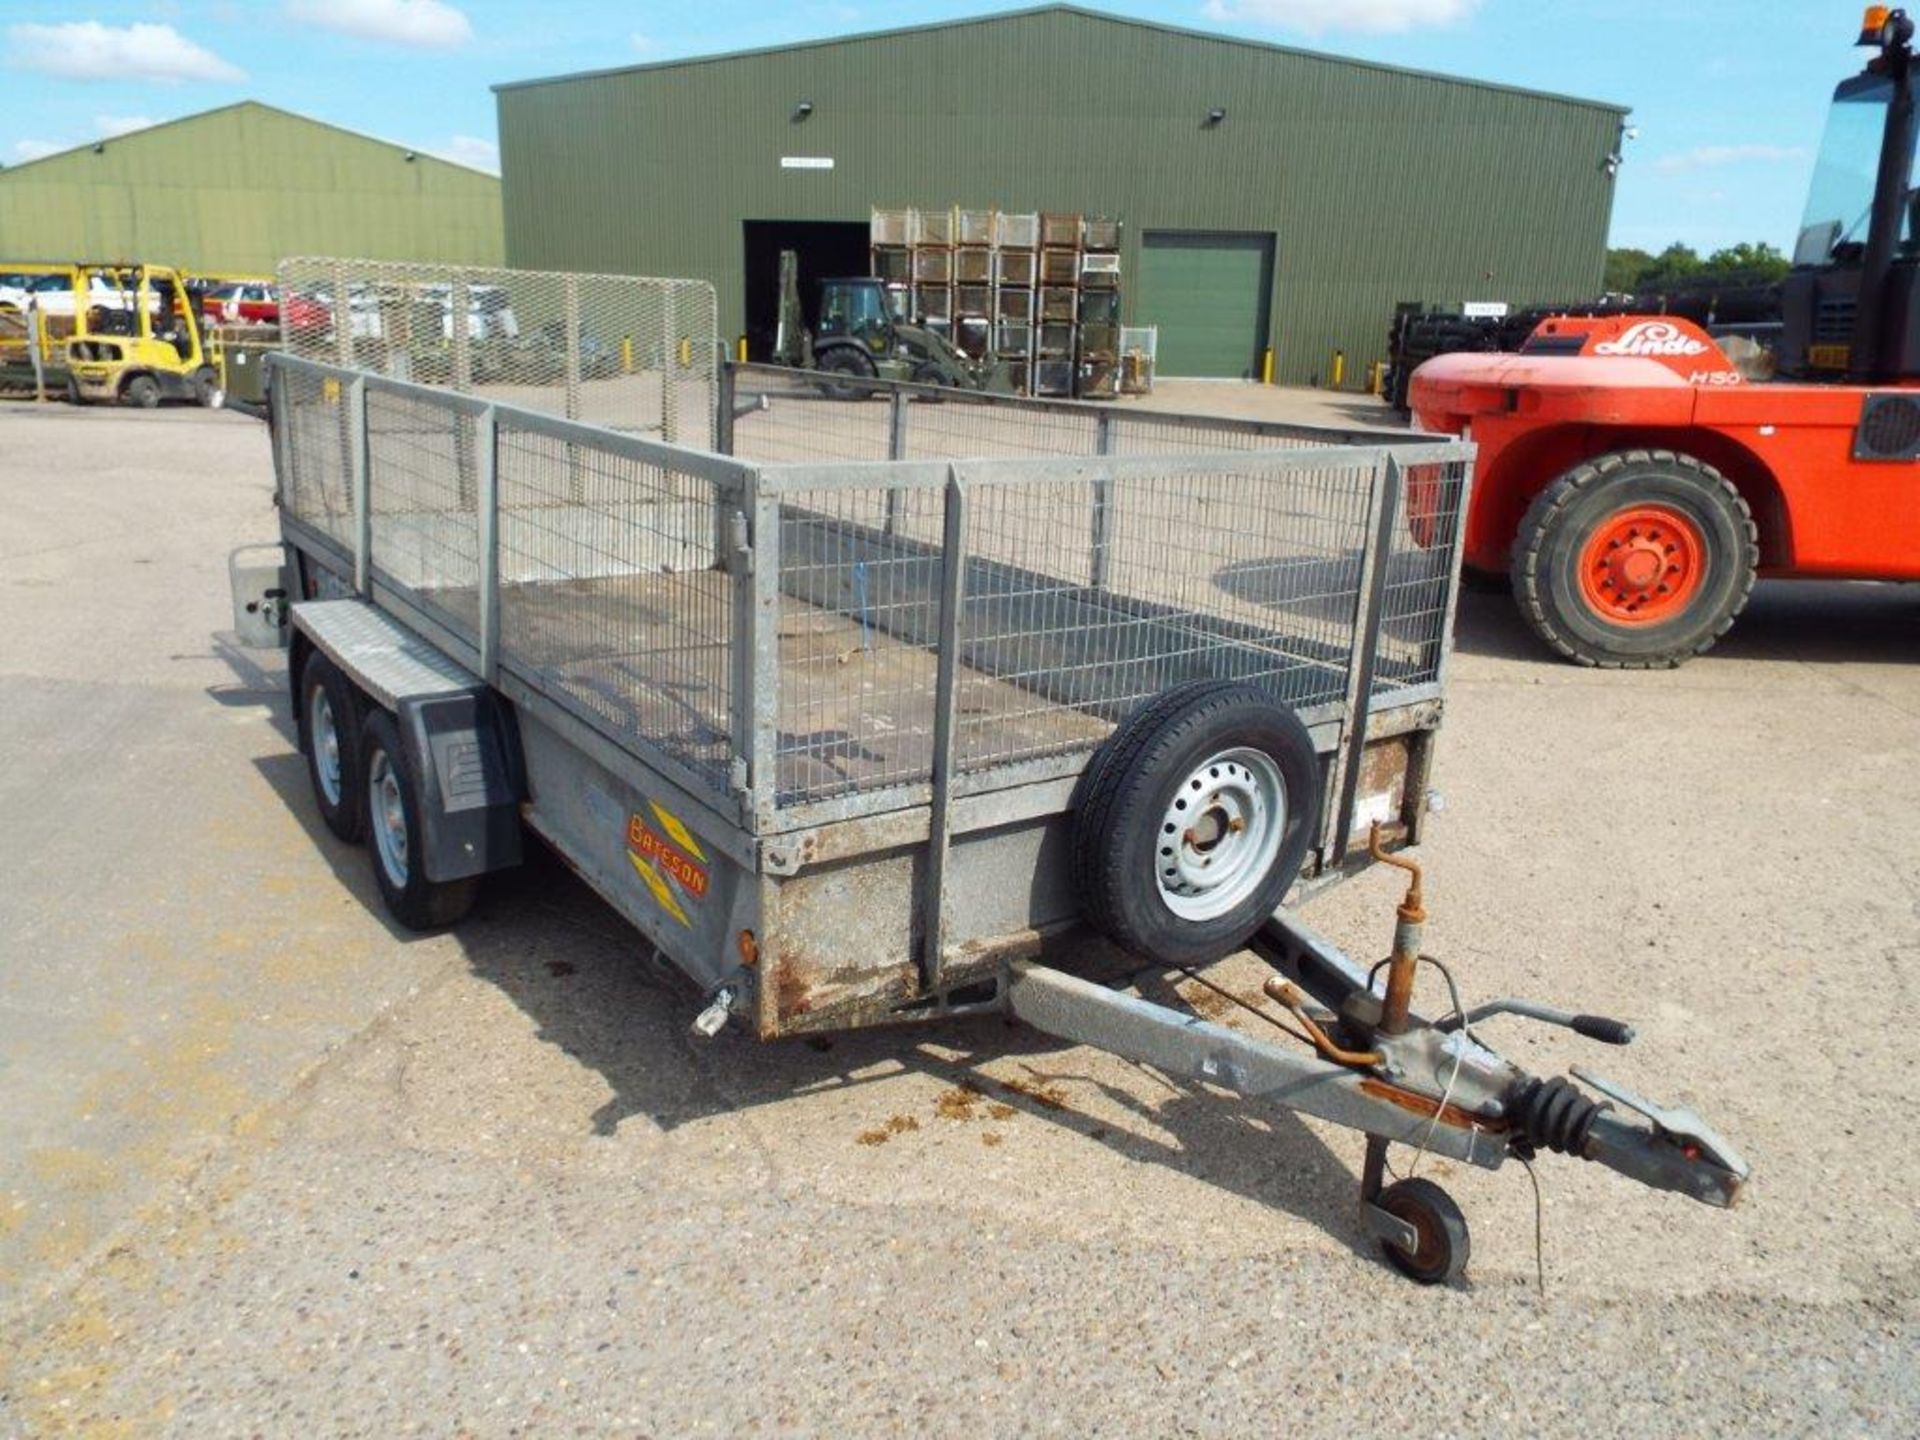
(816, 641)
(630, 354)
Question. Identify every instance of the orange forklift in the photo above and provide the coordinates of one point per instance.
(1633, 481)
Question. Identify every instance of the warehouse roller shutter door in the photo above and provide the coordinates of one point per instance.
(1208, 292)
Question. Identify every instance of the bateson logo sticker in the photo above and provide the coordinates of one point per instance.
(1651, 337)
(668, 859)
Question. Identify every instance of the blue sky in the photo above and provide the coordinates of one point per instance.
(1727, 98)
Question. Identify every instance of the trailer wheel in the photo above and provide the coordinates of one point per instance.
(1444, 1242)
(142, 392)
(393, 823)
(1638, 560)
(330, 732)
(1193, 821)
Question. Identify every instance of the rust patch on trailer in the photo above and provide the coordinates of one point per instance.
(1448, 1114)
(842, 996)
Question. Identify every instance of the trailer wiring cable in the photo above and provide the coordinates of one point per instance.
(1539, 1227)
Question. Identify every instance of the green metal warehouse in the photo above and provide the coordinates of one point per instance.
(1270, 196)
(234, 190)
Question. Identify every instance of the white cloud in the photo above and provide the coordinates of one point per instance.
(472, 151)
(427, 24)
(88, 50)
(25, 150)
(641, 43)
(112, 125)
(1317, 16)
(1707, 157)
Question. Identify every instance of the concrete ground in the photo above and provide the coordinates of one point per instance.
(268, 1166)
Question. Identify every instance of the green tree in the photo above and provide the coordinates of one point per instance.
(1753, 264)
(1625, 266)
(1634, 271)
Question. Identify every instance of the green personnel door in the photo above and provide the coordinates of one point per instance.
(1208, 291)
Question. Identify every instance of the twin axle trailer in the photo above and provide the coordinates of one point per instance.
(878, 707)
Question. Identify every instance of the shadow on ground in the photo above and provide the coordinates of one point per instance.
(1800, 621)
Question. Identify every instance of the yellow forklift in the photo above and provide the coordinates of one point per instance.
(142, 341)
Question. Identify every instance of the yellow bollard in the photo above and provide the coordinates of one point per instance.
(1266, 366)
(686, 353)
(626, 354)
(1337, 375)
(742, 350)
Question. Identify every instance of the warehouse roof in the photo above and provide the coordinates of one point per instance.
(197, 115)
(1078, 12)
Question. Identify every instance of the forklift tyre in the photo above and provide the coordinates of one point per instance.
(1445, 1245)
(142, 392)
(929, 373)
(1193, 820)
(845, 360)
(330, 724)
(395, 835)
(206, 388)
(1637, 560)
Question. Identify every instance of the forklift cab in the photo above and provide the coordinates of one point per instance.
(1851, 304)
(855, 309)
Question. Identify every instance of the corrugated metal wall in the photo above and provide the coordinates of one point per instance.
(236, 189)
(1379, 185)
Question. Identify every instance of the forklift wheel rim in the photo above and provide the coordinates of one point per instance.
(1643, 565)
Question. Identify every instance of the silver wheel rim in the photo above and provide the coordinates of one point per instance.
(1220, 833)
(389, 818)
(325, 737)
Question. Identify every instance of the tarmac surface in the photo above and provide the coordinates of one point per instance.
(269, 1166)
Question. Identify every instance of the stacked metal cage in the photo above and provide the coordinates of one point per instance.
(1041, 291)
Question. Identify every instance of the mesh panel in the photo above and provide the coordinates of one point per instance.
(1085, 595)
(1416, 603)
(316, 484)
(422, 490)
(631, 354)
(609, 595)
(785, 416)
(858, 625)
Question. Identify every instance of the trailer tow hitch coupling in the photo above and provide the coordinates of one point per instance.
(1680, 1151)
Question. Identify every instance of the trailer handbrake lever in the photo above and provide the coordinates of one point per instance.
(1594, 1027)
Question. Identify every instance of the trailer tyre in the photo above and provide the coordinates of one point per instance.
(1445, 1244)
(142, 392)
(330, 735)
(394, 830)
(1638, 560)
(1193, 821)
